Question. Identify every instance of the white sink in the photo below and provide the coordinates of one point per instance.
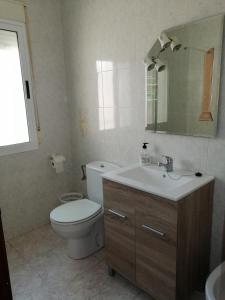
(174, 185)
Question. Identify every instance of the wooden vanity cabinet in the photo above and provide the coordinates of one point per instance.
(119, 221)
(156, 250)
(160, 245)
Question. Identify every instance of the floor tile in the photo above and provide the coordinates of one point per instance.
(58, 270)
(41, 270)
(36, 242)
(98, 285)
(23, 278)
(14, 258)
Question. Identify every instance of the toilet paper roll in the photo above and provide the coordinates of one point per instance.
(57, 162)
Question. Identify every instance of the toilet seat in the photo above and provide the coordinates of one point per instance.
(74, 212)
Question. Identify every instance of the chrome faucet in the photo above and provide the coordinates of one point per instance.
(168, 165)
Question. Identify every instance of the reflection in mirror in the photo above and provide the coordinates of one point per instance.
(182, 79)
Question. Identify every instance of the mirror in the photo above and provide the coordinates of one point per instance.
(182, 79)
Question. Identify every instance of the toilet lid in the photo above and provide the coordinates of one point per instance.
(75, 211)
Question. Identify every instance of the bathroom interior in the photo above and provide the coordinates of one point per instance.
(112, 149)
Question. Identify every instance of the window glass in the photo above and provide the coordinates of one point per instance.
(13, 118)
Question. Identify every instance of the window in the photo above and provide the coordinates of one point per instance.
(17, 117)
(156, 86)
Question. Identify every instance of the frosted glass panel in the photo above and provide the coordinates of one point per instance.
(13, 119)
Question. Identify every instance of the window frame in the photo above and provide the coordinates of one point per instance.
(25, 64)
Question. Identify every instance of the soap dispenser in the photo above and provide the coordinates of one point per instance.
(145, 158)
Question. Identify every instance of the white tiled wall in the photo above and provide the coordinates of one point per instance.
(105, 43)
(28, 186)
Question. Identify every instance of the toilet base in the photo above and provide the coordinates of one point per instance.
(88, 244)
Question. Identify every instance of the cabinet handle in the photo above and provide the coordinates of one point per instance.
(147, 227)
(113, 212)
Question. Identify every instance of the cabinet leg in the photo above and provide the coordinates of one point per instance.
(111, 272)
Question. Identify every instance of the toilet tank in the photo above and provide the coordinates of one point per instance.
(94, 171)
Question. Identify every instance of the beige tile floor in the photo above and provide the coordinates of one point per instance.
(40, 270)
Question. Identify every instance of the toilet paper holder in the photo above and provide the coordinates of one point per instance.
(57, 162)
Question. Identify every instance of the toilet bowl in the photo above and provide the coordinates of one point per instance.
(80, 222)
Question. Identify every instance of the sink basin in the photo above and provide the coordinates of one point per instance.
(174, 185)
(155, 178)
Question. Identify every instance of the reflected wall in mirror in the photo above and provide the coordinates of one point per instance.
(183, 77)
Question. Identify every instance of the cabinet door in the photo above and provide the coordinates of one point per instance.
(156, 224)
(119, 229)
(5, 288)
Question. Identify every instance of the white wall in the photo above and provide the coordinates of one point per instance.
(121, 32)
(28, 186)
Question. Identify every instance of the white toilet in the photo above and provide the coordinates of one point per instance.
(81, 221)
